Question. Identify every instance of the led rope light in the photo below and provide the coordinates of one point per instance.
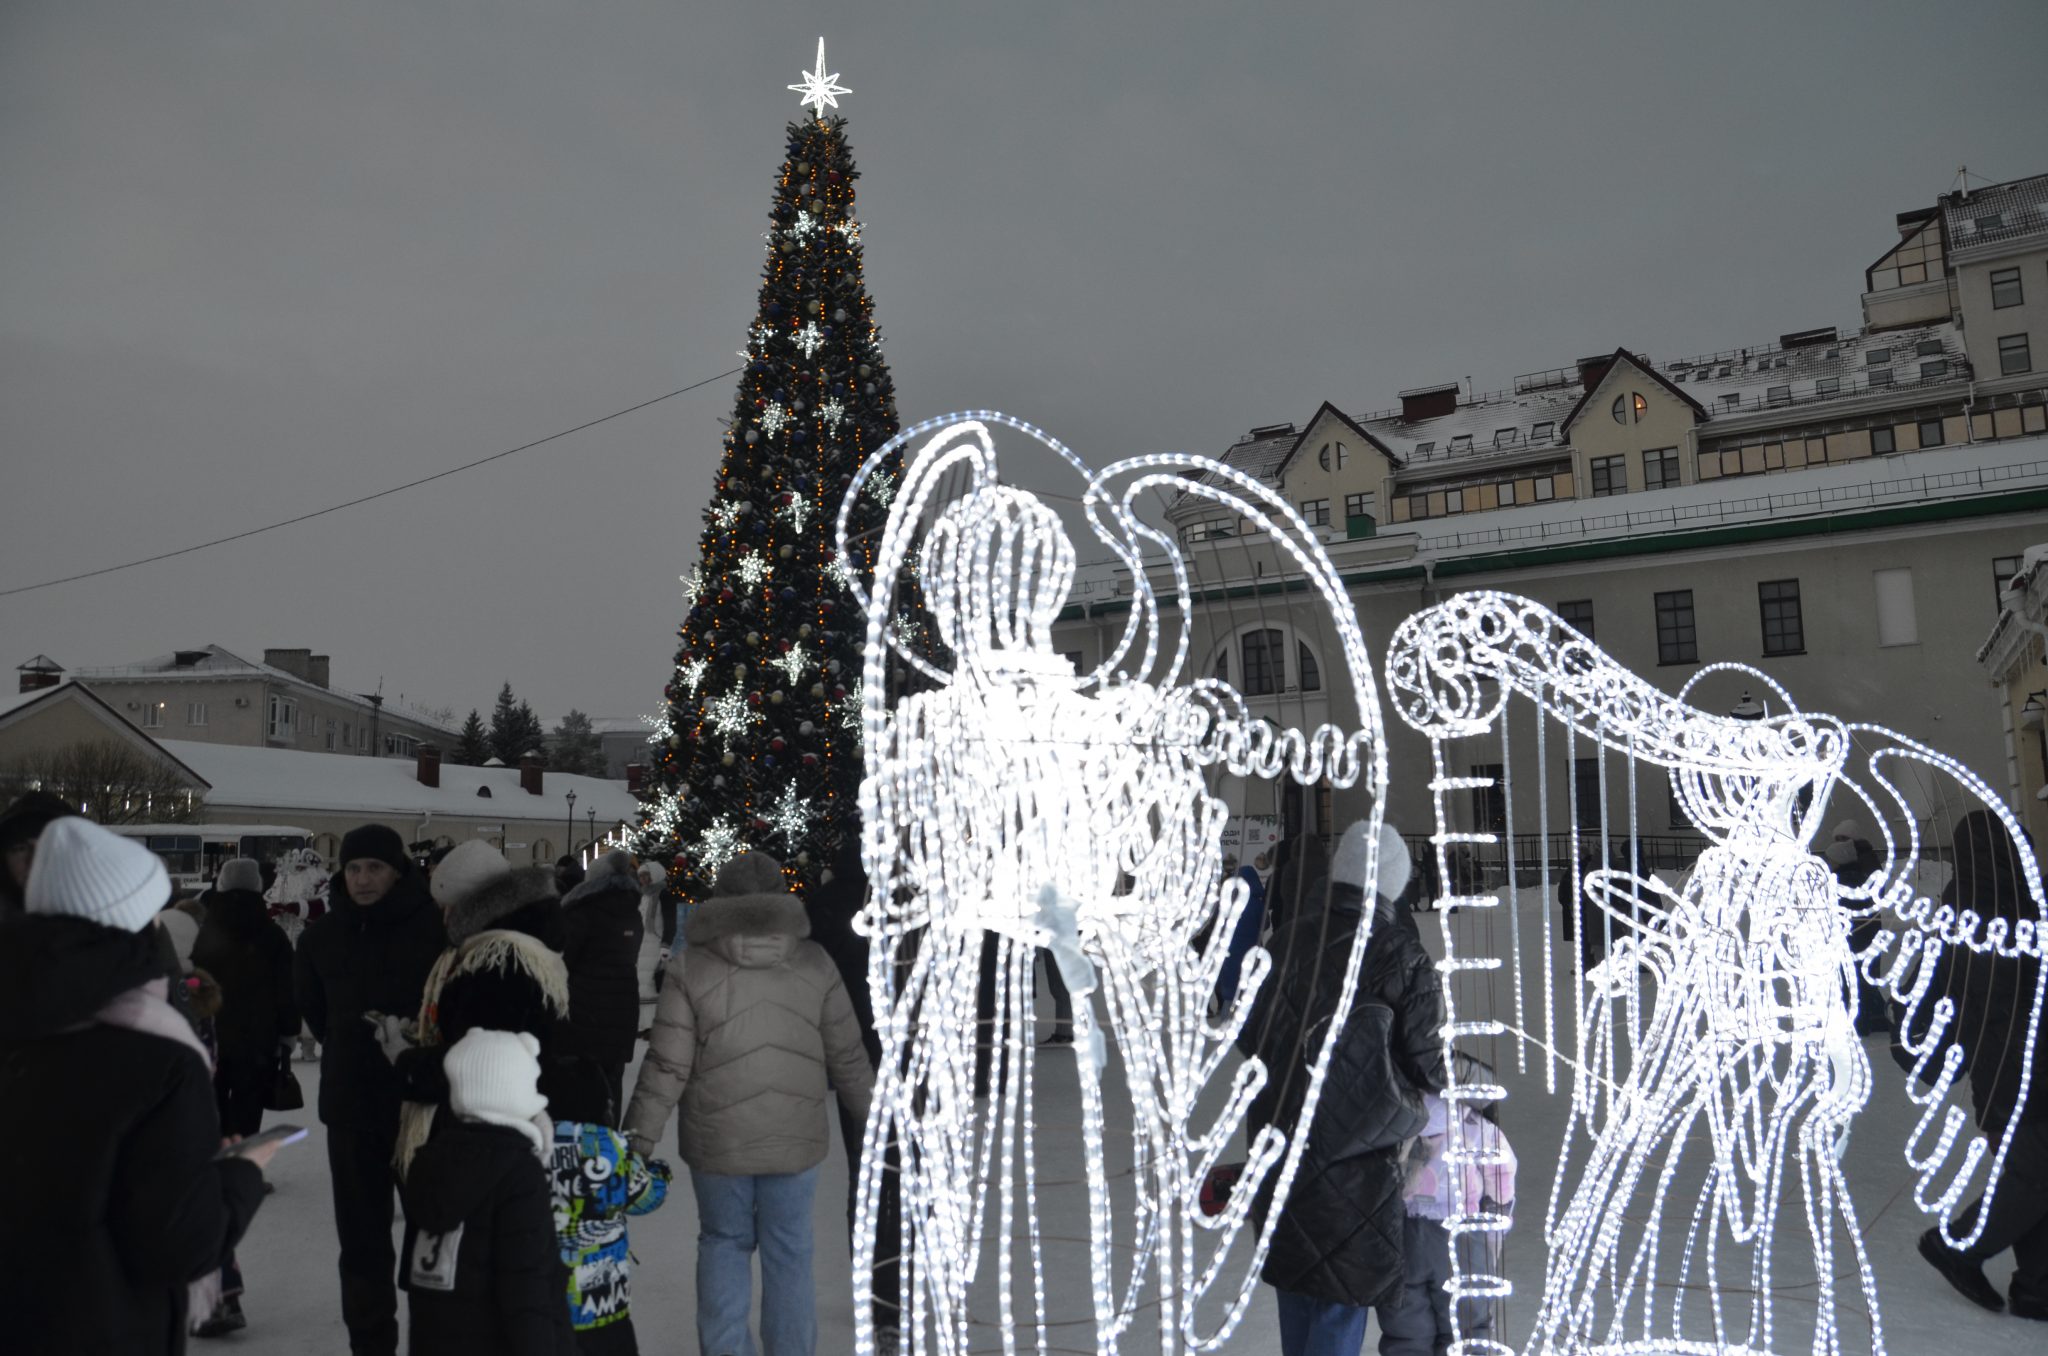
(1749, 1034)
(1019, 802)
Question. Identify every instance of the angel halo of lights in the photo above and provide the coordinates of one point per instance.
(1719, 1010)
(1012, 802)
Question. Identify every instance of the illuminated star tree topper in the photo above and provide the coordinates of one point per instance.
(820, 91)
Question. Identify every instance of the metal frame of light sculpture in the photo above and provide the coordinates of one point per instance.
(1019, 801)
(1750, 1026)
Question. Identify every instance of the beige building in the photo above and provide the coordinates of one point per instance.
(214, 696)
(46, 722)
(1839, 511)
(2016, 656)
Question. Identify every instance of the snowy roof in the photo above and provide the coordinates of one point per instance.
(214, 661)
(18, 703)
(286, 781)
(1996, 215)
(612, 725)
(42, 663)
(1500, 421)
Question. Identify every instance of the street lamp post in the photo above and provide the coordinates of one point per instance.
(569, 833)
(592, 812)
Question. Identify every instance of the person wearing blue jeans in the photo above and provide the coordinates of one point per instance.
(753, 1029)
(1313, 1327)
(736, 1216)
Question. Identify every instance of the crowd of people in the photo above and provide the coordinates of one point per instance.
(475, 1022)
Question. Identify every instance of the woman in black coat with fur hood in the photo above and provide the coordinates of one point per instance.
(503, 971)
(250, 958)
(1337, 1249)
(601, 934)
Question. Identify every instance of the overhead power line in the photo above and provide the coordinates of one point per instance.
(367, 498)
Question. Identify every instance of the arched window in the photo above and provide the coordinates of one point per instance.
(1262, 662)
(1334, 457)
(1630, 404)
(1306, 675)
(543, 852)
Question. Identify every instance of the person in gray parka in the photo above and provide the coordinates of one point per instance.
(753, 1026)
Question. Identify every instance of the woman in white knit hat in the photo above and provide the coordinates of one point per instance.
(115, 1197)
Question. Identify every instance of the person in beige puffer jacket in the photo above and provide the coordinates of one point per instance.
(753, 1025)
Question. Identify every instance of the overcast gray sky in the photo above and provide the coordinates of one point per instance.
(260, 255)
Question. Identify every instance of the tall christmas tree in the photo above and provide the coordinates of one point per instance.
(760, 747)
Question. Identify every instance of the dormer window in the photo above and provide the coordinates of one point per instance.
(1541, 433)
(1630, 404)
(1424, 449)
(1778, 395)
(1334, 457)
(1506, 437)
(1461, 443)
(1731, 399)
(1877, 357)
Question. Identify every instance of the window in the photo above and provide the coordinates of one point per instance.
(2005, 288)
(1489, 805)
(1454, 501)
(195, 713)
(1586, 797)
(284, 718)
(1577, 613)
(1882, 440)
(1541, 433)
(1306, 673)
(1784, 628)
(1222, 671)
(330, 736)
(1660, 468)
(1828, 386)
(2003, 568)
(1730, 399)
(1877, 357)
(1545, 489)
(1506, 437)
(1677, 640)
(1418, 506)
(1935, 370)
(152, 715)
(1358, 505)
(1897, 622)
(1930, 433)
(1424, 449)
(1610, 475)
(1317, 511)
(1778, 395)
(1990, 223)
(1263, 657)
(348, 735)
(1462, 443)
(1630, 404)
(1334, 452)
(1928, 348)
(1881, 377)
(2014, 356)
(1506, 494)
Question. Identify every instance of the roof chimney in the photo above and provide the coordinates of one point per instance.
(1429, 402)
(635, 772)
(295, 662)
(430, 765)
(316, 670)
(39, 673)
(1592, 369)
(530, 772)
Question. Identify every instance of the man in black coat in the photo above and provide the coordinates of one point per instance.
(111, 1186)
(1337, 1249)
(601, 935)
(251, 960)
(368, 956)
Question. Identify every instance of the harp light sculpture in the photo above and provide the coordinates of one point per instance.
(1012, 804)
(1721, 1021)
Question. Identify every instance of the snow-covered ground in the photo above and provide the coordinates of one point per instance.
(294, 1310)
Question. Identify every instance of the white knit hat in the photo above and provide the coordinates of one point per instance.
(493, 1077)
(83, 871)
(467, 869)
(240, 873)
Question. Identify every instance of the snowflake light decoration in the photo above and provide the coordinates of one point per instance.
(883, 488)
(797, 511)
(820, 91)
(832, 411)
(1016, 803)
(804, 224)
(792, 663)
(693, 583)
(790, 816)
(762, 332)
(752, 568)
(718, 844)
(729, 714)
(849, 229)
(691, 671)
(774, 418)
(810, 338)
(659, 728)
(850, 713)
(837, 571)
(723, 514)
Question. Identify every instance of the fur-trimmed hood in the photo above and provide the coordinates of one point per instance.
(488, 905)
(613, 871)
(749, 899)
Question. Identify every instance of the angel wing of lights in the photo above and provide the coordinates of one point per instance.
(1707, 1028)
(1011, 804)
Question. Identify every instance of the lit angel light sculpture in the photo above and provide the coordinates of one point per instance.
(1715, 1043)
(1016, 803)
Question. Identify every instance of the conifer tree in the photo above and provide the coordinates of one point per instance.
(473, 745)
(760, 746)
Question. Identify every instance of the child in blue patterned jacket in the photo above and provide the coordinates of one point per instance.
(597, 1182)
